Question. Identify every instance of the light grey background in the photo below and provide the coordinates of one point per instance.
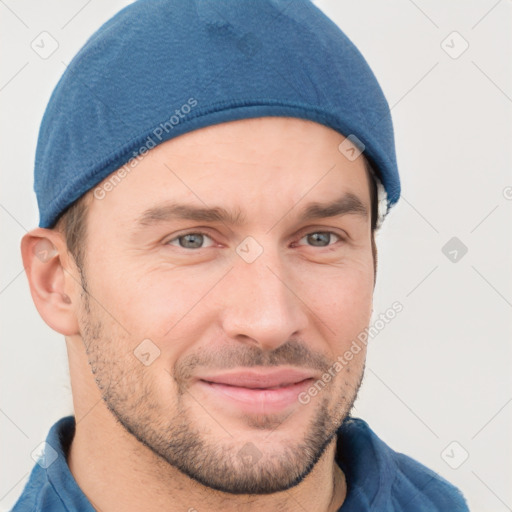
(438, 373)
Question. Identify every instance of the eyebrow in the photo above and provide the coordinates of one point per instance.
(347, 204)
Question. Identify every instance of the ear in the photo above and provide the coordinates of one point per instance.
(53, 279)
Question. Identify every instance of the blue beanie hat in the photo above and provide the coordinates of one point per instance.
(161, 68)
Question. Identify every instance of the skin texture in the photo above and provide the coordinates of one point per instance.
(149, 433)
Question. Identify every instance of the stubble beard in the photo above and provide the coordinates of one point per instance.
(231, 466)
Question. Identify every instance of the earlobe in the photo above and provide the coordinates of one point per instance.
(50, 275)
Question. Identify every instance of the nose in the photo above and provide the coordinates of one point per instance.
(260, 305)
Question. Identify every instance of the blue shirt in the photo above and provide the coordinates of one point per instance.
(378, 478)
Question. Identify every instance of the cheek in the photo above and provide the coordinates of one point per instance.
(163, 304)
(341, 296)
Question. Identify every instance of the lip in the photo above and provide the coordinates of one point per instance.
(253, 379)
(257, 392)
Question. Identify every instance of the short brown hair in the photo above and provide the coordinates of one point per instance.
(73, 224)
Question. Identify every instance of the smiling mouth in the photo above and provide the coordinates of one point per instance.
(257, 392)
(263, 379)
(258, 388)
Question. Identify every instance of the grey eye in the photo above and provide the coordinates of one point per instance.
(190, 241)
(319, 238)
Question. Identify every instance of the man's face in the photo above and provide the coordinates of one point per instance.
(205, 336)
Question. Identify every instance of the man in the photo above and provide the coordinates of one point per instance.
(210, 176)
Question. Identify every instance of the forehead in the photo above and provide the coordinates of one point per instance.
(250, 165)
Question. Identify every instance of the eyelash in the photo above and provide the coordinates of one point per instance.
(341, 238)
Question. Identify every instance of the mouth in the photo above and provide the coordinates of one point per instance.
(261, 392)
